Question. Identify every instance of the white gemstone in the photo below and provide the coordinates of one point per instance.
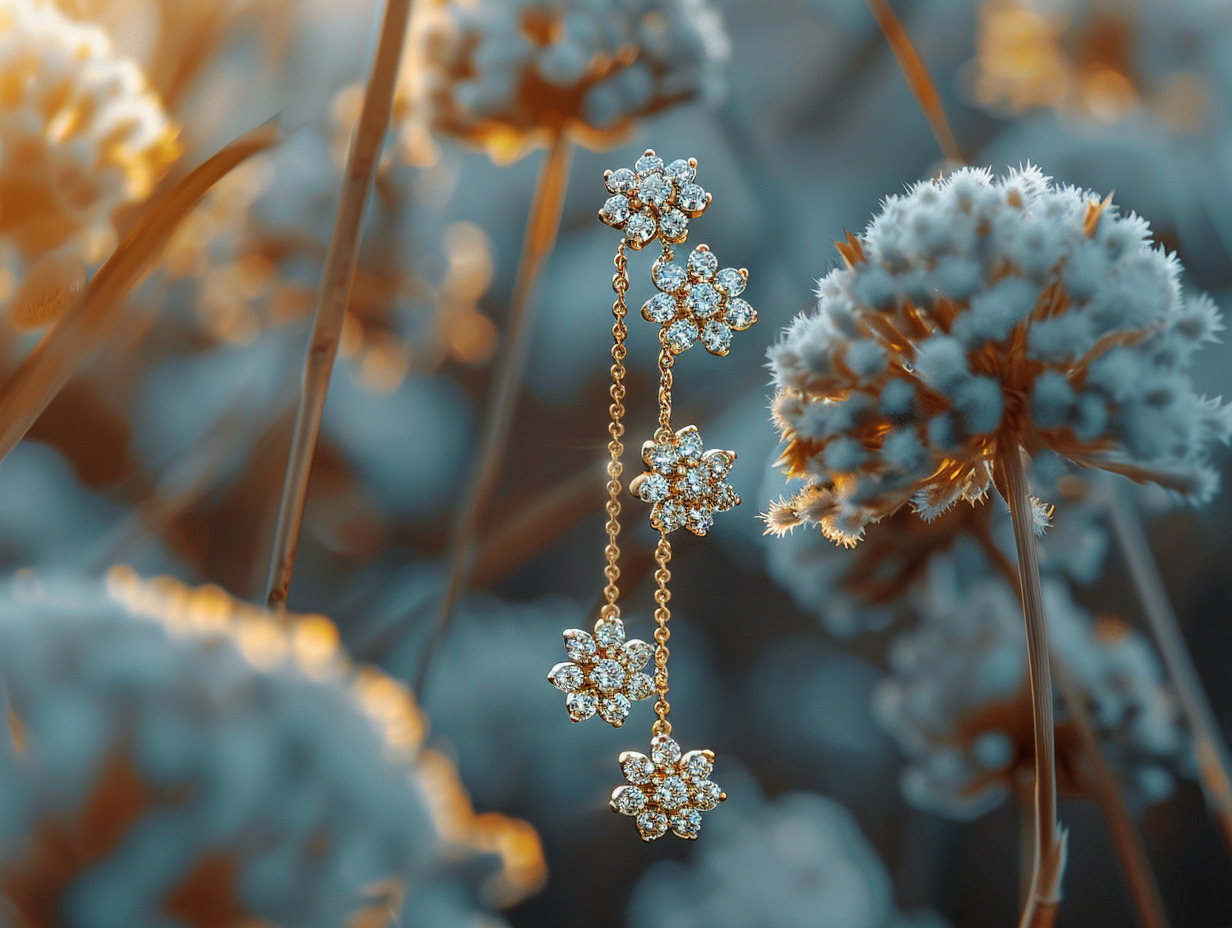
(706, 795)
(681, 335)
(655, 189)
(671, 516)
(652, 825)
(648, 163)
(610, 632)
(628, 800)
(640, 228)
(672, 793)
(639, 686)
(615, 211)
(730, 281)
(702, 263)
(664, 750)
(675, 225)
(566, 676)
(622, 180)
(687, 823)
(579, 645)
(663, 458)
(694, 482)
(615, 708)
(581, 705)
(681, 171)
(654, 487)
(696, 765)
(740, 315)
(691, 198)
(636, 767)
(719, 462)
(607, 676)
(669, 277)
(637, 653)
(660, 308)
(689, 443)
(716, 337)
(700, 520)
(725, 498)
(703, 300)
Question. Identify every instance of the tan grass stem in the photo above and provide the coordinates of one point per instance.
(541, 228)
(1209, 745)
(336, 281)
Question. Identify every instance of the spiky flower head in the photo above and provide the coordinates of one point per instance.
(509, 75)
(980, 315)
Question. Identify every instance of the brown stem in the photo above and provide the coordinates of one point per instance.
(336, 282)
(541, 229)
(1209, 745)
(1050, 838)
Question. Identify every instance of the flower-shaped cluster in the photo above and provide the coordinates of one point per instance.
(685, 485)
(667, 789)
(510, 75)
(604, 672)
(699, 300)
(653, 199)
(978, 316)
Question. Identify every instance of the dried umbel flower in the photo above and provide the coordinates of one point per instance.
(510, 75)
(977, 316)
(174, 754)
(81, 135)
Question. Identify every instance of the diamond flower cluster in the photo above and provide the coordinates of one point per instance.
(653, 200)
(667, 789)
(699, 300)
(604, 672)
(685, 485)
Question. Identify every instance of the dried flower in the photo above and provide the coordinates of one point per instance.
(977, 315)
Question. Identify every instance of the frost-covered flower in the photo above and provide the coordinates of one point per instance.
(652, 200)
(172, 753)
(81, 135)
(978, 316)
(604, 672)
(685, 485)
(509, 75)
(698, 300)
(958, 702)
(667, 790)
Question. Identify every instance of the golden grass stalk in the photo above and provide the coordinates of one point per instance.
(88, 323)
(336, 281)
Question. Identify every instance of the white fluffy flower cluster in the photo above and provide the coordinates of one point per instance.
(510, 74)
(958, 703)
(975, 316)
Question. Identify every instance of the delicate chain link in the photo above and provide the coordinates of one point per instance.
(620, 283)
(663, 554)
(666, 359)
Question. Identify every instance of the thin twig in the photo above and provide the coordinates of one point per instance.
(1209, 744)
(336, 282)
(541, 229)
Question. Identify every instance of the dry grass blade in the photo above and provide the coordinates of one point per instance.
(336, 281)
(918, 79)
(86, 325)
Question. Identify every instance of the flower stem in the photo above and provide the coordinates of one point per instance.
(1209, 745)
(1050, 839)
(335, 292)
(541, 229)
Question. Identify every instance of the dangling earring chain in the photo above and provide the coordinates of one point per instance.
(616, 428)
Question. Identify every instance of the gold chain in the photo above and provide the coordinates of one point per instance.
(663, 554)
(620, 283)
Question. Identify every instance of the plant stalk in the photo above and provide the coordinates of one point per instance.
(336, 281)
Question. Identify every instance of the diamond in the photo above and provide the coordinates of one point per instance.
(730, 281)
(640, 229)
(719, 462)
(636, 767)
(608, 676)
(704, 300)
(566, 676)
(694, 482)
(692, 198)
(687, 823)
(717, 337)
(648, 163)
(696, 765)
(615, 211)
(672, 793)
(664, 749)
(660, 308)
(681, 335)
(610, 632)
(689, 443)
(655, 189)
(674, 225)
(725, 498)
(652, 825)
(614, 709)
(581, 705)
(639, 686)
(662, 457)
(670, 515)
(702, 263)
(680, 170)
(637, 653)
(621, 180)
(740, 315)
(707, 795)
(654, 488)
(579, 645)
(628, 800)
(699, 520)
(669, 277)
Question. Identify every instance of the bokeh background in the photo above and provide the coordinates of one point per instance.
(869, 730)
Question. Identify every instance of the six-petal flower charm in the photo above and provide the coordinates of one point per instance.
(667, 790)
(604, 673)
(653, 199)
(685, 485)
(699, 301)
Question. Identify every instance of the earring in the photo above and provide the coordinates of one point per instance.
(684, 484)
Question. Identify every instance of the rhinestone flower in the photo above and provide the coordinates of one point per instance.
(667, 790)
(685, 484)
(653, 199)
(604, 672)
(699, 301)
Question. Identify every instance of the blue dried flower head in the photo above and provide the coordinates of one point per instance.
(979, 315)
